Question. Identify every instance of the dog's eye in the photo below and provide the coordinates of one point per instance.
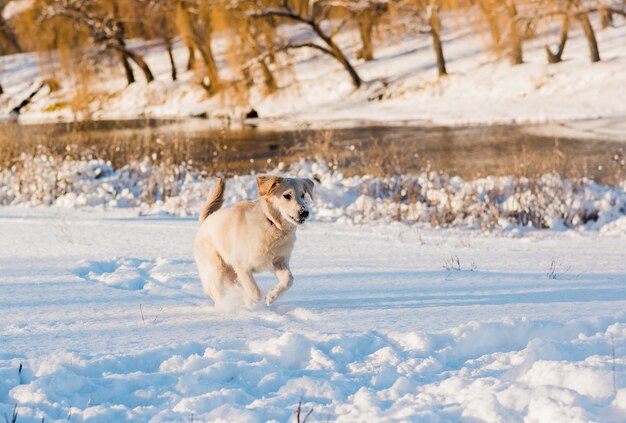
(287, 196)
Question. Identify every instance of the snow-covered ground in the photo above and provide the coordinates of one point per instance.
(102, 316)
(504, 203)
(401, 84)
(601, 128)
(103, 312)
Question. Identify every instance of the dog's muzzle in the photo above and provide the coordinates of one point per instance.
(302, 216)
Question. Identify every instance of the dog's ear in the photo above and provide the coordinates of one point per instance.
(267, 184)
(309, 186)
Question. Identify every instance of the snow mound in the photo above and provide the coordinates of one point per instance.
(499, 371)
(489, 203)
(158, 276)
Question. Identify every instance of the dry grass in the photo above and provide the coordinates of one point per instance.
(402, 192)
(369, 156)
(403, 186)
(397, 165)
(556, 269)
(456, 155)
(122, 146)
(366, 152)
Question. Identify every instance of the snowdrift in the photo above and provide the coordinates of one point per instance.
(514, 370)
(104, 319)
(428, 198)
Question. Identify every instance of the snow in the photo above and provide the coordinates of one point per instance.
(400, 84)
(104, 311)
(601, 128)
(15, 7)
(462, 312)
(492, 203)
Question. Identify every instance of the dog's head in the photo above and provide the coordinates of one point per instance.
(288, 196)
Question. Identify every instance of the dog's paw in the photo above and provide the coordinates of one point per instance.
(269, 299)
(250, 303)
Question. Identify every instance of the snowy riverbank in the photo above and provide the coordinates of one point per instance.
(401, 85)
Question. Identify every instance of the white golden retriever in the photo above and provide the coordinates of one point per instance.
(250, 237)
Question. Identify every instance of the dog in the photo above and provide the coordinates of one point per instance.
(233, 244)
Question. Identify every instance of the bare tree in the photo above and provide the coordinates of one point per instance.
(196, 26)
(557, 57)
(429, 22)
(159, 23)
(184, 30)
(7, 34)
(121, 36)
(606, 16)
(572, 10)
(259, 38)
(366, 14)
(583, 18)
(435, 31)
(313, 17)
(490, 13)
(516, 54)
(104, 30)
(258, 31)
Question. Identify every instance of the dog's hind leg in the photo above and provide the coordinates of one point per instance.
(285, 280)
(214, 273)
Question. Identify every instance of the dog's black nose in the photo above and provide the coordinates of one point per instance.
(304, 214)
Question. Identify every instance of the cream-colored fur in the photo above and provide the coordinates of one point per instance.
(253, 236)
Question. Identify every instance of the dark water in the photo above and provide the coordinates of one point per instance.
(464, 151)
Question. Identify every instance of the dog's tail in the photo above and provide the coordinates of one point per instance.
(215, 201)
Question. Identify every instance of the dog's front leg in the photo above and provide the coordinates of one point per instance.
(285, 280)
(251, 289)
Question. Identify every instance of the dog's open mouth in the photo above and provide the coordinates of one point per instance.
(297, 220)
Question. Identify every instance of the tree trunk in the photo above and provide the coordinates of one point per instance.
(191, 62)
(139, 23)
(338, 55)
(270, 82)
(594, 54)
(556, 57)
(515, 40)
(209, 58)
(142, 65)
(202, 43)
(270, 39)
(356, 79)
(129, 54)
(212, 74)
(606, 17)
(491, 18)
(435, 31)
(366, 20)
(18, 109)
(333, 49)
(168, 47)
(9, 35)
(120, 32)
(130, 75)
(494, 30)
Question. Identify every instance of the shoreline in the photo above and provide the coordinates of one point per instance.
(605, 129)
